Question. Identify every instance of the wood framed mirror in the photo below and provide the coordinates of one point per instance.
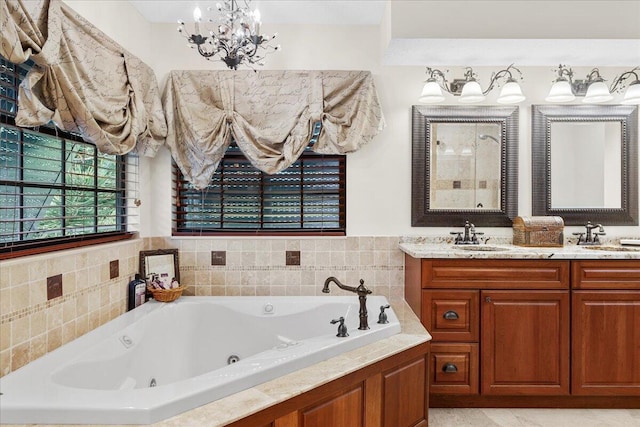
(464, 166)
(585, 163)
(161, 262)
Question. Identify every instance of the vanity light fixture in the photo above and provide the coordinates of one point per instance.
(593, 88)
(469, 90)
(235, 35)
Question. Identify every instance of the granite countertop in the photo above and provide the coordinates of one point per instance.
(232, 408)
(420, 247)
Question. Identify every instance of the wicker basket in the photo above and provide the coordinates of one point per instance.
(166, 295)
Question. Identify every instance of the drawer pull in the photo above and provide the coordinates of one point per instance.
(450, 368)
(451, 315)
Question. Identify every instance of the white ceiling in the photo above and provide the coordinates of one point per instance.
(321, 12)
(421, 31)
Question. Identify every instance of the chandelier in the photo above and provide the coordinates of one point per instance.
(234, 35)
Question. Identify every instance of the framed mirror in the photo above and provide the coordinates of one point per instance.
(464, 166)
(585, 163)
(161, 262)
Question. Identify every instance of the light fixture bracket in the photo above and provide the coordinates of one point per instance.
(455, 87)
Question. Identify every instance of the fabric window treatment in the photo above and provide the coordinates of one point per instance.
(82, 80)
(270, 115)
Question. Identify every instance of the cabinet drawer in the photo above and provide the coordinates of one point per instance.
(609, 274)
(454, 369)
(495, 274)
(451, 315)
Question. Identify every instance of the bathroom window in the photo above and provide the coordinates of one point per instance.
(56, 190)
(309, 197)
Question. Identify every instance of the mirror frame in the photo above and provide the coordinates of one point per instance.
(422, 119)
(159, 252)
(542, 116)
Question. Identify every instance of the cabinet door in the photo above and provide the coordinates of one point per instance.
(525, 342)
(405, 395)
(343, 410)
(606, 343)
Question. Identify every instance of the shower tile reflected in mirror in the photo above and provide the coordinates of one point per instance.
(467, 160)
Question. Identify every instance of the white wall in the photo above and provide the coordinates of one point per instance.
(379, 175)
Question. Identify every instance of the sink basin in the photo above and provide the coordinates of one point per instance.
(480, 248)
(612, 248)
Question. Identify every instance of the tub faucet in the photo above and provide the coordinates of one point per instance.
(591, 238)
(362, 296)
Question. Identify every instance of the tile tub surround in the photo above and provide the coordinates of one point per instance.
(31, 325)
(258, 266)
(244, 403)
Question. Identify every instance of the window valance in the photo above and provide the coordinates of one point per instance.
(270, 114)
(82, 80)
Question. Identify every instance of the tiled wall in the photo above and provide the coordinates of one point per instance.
(31, 325)
(258, 266)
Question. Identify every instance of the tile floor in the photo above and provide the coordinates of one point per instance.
(491, 417)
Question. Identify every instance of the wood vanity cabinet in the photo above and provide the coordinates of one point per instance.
(529, 333)
(606, 328)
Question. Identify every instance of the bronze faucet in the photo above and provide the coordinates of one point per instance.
(362, 296)
(470, 235)
(592, 237)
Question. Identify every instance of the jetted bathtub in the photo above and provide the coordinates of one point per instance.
(163, 359)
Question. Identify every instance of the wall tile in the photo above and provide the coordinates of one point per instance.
(20, 355)
(20, 330)
(5, 336)
(5, 279)
(5, 362)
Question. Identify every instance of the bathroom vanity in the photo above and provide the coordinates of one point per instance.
(528, 327)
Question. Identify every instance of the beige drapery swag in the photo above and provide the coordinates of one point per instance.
(270, 115)
(82, 80)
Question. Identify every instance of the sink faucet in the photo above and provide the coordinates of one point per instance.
(592, 238)
(362, 296)
(470, 235)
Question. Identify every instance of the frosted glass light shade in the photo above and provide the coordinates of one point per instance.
(596, 93)
(632, 94)
(431, 93)
(511, 93)
(471, 92)
(560, 92)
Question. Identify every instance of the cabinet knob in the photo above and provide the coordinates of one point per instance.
(449, 368)
(487, 299)
(451, 315)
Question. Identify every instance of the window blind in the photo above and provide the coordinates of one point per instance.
(307, 197)
(54, 187)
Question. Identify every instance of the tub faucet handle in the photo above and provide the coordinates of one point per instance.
(382, 318)
(342, 328)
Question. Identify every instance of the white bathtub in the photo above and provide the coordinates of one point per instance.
(105, 376)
